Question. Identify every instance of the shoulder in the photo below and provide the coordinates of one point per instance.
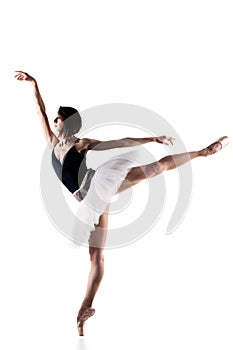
(89, 144)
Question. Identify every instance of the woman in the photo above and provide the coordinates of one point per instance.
(68, 157)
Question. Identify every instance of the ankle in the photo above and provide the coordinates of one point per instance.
(203, 152)
(85, 305)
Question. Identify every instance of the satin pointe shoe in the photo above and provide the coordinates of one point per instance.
(83, 315)
(216, 146)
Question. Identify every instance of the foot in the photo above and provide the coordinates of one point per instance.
(215, 147)
(83, 315)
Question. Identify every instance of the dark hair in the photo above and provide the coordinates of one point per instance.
(72, 120)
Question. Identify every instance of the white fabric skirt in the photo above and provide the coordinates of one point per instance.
(104, 185)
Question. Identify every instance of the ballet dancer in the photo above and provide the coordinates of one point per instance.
(68, 159)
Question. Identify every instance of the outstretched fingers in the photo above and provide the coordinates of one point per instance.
(165, 140)
(20, 75)
(23, 76)
(171, 140)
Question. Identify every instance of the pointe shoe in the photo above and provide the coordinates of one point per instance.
(216, 146)
(83, 315)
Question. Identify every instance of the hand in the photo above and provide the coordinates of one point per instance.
(24, 76)
(165, 140)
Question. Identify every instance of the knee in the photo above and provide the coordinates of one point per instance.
(158, 167)
(96, 256)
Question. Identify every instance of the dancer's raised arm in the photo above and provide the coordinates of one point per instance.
(40, 107)
(97, 145)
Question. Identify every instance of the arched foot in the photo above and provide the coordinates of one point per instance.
(83, 315)
(215, 147)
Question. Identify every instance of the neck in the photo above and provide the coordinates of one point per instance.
(64, 140)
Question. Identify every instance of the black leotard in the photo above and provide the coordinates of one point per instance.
(73, 169)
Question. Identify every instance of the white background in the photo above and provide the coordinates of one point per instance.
(163, 292)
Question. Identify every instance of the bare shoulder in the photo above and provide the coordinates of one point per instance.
(89, 144)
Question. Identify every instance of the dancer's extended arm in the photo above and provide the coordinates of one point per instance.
(40, 107)
(97, 145)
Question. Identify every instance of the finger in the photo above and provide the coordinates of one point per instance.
(171, 139)
(19, 72)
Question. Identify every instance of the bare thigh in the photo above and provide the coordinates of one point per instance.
(140, 173)
(98, 237)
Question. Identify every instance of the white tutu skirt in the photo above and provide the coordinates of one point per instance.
(104, 185)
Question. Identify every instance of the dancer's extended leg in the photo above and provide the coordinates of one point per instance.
(96, 244)
(137, 174)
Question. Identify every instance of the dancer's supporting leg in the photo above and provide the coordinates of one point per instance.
(96, 247)
(137, 174)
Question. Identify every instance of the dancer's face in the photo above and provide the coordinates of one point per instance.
(58, 124)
